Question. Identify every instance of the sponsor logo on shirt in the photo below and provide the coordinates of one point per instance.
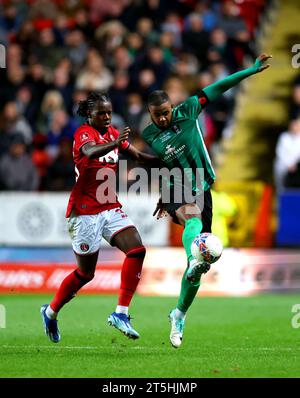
(172, 153)
(169, 149)
(165, 137)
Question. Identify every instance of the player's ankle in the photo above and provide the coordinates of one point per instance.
(50, 313)
(121, 309)
(179, 314)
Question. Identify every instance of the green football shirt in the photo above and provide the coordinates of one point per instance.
(182, 145)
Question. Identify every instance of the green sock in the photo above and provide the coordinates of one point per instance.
(187, 293)
(192, 228)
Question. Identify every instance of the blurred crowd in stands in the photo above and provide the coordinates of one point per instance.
(58, 51)
(287, 159)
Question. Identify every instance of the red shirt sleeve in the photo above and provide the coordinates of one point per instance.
(82, 136)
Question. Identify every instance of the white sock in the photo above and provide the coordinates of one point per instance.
(193, 262)
(179, 314)
(121, 309)
(50, 313)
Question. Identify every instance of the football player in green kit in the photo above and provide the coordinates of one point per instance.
(175, 137)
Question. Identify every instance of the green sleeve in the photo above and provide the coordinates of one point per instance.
(214, 90)
(191, 107)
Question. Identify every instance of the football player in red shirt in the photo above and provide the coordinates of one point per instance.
(90, 217)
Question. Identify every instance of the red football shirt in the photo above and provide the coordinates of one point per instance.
(87, 197)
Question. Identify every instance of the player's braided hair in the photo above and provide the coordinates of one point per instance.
(86, 106)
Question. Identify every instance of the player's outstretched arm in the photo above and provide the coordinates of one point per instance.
(214, 90)
(142, 157)
(93, 150)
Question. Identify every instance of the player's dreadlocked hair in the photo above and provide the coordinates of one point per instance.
(158, 97)
(86, 106)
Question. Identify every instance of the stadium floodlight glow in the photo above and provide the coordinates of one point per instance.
(2, 56)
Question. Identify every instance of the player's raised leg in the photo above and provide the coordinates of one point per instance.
(130, 243)
(192, 222)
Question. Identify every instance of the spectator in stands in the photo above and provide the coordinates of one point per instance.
(60, 28)
(11, 19)
(173, 25)
(52, 101)
(26, 106)
(186, 69)
(166, 43)
(25, 37)
(134, 112)
(95, 76)
(82, 23)
(155, 61)
(209, 16)
(196, 39)
(121, 60)
(63, 83)
(46, 51)
(41, 158)
(146, 82)
(42, 13)
(17, 172)
(15, 123)
(176, 90)
(239, 38)
(109, 36)
(145, 28)
(218, 49)
(119, 91)
(61, 174)
(287, 161)
(13, 76)
(99, 9)
(134, 44)
(76, 48)
(61, 126)
(36, 80)
(295, 105)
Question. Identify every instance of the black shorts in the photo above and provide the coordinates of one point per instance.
(206, 214)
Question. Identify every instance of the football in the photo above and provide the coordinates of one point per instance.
(206, 247)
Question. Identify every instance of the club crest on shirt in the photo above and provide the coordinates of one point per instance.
(84, 136)
(176, 129)
(84, 247)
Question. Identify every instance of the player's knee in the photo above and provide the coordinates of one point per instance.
(137, 252)
(90, 276)
(84, 275)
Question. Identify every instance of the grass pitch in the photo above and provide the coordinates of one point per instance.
(224, 337)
